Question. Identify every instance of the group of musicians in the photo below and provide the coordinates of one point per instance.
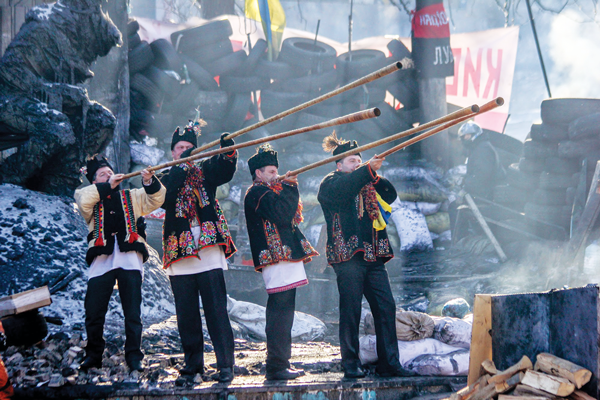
(197, 243)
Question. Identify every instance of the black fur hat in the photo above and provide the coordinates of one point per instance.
(332, 144)
(189, 134)
(265, 155)
(94, 164)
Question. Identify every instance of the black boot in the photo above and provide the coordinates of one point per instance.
(285, 374)
(225, 375)
(90, 362)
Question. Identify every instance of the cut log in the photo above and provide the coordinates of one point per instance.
(466, 392)
(552, 384)
(25, 301)
(513, 397)
(510, 383)
(481, 340)
(526, 390)
(580, 395)
(523, 364)
(489, 367)
(553, 365)
(484, 393)
(491, 390)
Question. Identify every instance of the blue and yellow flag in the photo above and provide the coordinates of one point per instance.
(385, 212)
(271, 15)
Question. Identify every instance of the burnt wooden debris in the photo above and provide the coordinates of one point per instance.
(43, 107)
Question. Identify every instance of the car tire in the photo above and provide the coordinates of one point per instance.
(307, 54)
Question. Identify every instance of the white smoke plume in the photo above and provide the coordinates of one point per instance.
(575, 52)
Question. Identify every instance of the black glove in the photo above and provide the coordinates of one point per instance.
(187, 153)
(25, 329)
(226, 142)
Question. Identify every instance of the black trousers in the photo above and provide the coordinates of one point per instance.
(211, 286)
(356, 278)
(97, 297)
(280, 318)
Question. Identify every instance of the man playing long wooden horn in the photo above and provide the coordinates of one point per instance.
(116, 251)
(279, 250)
(196, 243)
(354, 200)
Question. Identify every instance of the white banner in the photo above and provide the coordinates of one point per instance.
(484, 65)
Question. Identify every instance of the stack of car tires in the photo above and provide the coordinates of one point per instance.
(304, 70)
(542, 183)
(570, 131)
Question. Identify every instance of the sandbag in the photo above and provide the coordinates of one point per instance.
(438, 222)
(412, 325)
(452, 364)
(452, 331)
(411, 226)
(428, 208)
(253, 317)
(407, 351)
(420, 191)
(456, 308)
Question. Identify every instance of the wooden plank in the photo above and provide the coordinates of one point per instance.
(553, 365)
(485, 227)
(552, 384)
(481, 339)
(588, 218)
(515, 397)
(25, 301)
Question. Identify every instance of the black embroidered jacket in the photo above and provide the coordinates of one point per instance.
(273, 212)
(191, 201)
(113, 213)
(349, 203)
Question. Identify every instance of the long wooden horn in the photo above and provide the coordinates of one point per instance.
(346, 119)
(484, 108)
(365, 79)
(462, 113)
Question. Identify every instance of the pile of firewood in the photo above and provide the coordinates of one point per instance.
(551, 378)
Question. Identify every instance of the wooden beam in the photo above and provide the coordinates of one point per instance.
(25, 301)
(553, 365)
(485, 227)
(552, 384)
(481, 339)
